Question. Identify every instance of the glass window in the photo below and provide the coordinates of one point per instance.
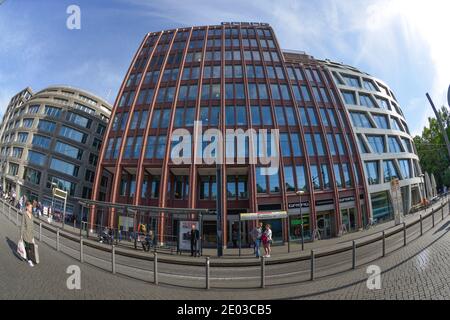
(340, 144)
(312, 117)
(381, 121)
(256, 118)
(275, 92)
(78, 119)
(284, 145)
(372, 172)
(32, 176)
(347, 178)
(68, 150)
(332, 116)
(296, 145)
(280, 116)
(229, 116)
(366, 101)
(360, 120)
(325, 176)
(262, 89)
(349, 97)
(337, 176)
(73, 134)
(36, 158)
(303, 116)
(315, 176)
(241, 115)
(150, 148)
(160, 147)
(309, 145)
(301, 178)
(290, 116)
(376, 143)
(46, 126)
(52, 111)
(267, 118)
(331, 144)
(319, 144)
(261, 181)
(64, 167)
(390, 171)
(289, 178)
(405, 167)
(274, 181)
(394, 145)
(351, 81)
(323, 115)
(41, 141)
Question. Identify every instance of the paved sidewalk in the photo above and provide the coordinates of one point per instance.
(279, 253)
(418, 271)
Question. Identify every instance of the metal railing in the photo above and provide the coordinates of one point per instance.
(87, 251)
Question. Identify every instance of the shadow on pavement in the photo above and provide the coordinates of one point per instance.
(445, 225)
(13, 246)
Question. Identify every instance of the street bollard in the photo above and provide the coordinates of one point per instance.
(384, 244)
(9, 212)
(207, 273)
(40, 231)
(404, 234)
(442, 213)
(81, 251)
(155, 268)
(354, 255)
(263, 272)
(57, 240)
(312, 265)
(421, 225)
(432, 217)
(17, 217)
(113, 259)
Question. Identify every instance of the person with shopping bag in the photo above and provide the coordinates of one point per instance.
(27, 233)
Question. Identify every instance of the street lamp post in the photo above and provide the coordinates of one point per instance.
(300, 193)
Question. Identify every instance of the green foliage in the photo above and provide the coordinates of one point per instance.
(432, 150)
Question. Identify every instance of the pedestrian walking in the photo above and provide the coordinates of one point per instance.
(267, 241)
(195, 236)
(27, 234)
(235, 237)
(256, 235)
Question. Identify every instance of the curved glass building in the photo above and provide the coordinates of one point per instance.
(385, 144)
(234, 76)
(52, 138)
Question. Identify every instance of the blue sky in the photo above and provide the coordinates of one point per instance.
(403, 42)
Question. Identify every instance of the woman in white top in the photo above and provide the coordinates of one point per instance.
(268, 241)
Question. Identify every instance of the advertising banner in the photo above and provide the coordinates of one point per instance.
(184, 235)
(263, 215)
(396, 195)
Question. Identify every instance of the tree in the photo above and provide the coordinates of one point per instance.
(432, 150)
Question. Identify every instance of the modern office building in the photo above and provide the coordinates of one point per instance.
(234, 76)
(52, 138)
(385, 144)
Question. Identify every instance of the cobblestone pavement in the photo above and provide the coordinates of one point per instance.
(419, 271)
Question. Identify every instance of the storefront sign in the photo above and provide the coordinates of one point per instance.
(184, 234)
(346, 199)
(263, 215)
(324, 202)
(297, 205)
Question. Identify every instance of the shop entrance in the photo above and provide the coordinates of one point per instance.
(349, 219)
(325, 223)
